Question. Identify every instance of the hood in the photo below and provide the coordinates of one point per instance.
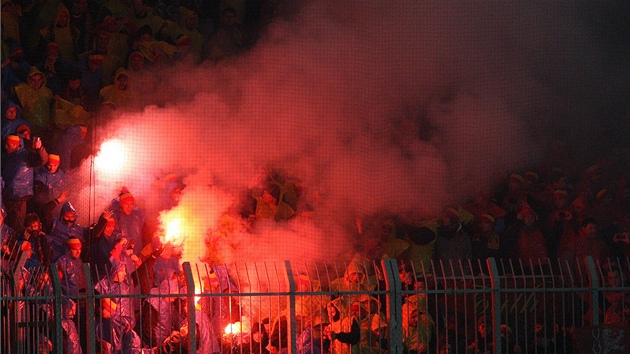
(67, 207)
(10, 104)
(185, 13)
(119, 72)
(34, 71)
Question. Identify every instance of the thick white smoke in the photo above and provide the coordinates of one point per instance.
(399, 106)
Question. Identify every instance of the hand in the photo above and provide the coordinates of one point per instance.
(63, 197)
(107, 214)
(37, 144)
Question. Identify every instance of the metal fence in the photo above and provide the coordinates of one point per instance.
(495, 306)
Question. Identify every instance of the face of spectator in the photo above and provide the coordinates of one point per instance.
(102, 42)
(52, 167)
(122, 81)
(11, 113)
(36, 81)
(94, 65)
(332, 312)
(355, 310)
(52, 51)
(136, 62)
(590, 230)
(74, 84)
(191, 22)
(413, 319)
(75, 252)
(11, 148)
(34, 226)
(560, 202)
(486, 226)
(25, 134)
(228, 18)
(69, 218)
(62, 19)
(355, 278)
(120, 275)
(126, 206)
(146, 37)
(613, 278)
(529, 220)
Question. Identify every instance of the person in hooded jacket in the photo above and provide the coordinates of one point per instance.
(49, 181)
(11, 118)
(63, 33)
(35, 99)
(62, 228)
(71, 340)
(130, 220)
(17, 172)
(158, 314)
(343, 334)
(73, 147)
(15, 68)
(120, 93)
(453, 243)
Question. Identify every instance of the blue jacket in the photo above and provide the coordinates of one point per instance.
(17, 171)
(61, 232)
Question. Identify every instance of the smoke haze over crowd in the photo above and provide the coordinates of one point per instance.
(403, 106)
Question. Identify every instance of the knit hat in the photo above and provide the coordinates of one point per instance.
(73, 243)
(54, 159)
(517, 178)
(13, 140)
(125, 196)
(487, 218)
(22, 128)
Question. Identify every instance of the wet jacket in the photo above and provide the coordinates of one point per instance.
(36, 103)
(53, 182)
(131, 226)
(10, 126)
(60, 232)
(17, 171)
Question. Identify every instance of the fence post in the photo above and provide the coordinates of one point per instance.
(292, 327)
(496, 304)
(90, 310)
(57, 302)
(594, 286)
(394, 304)
(192, 323)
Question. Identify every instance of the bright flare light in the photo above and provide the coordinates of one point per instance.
(237, 327)
(111, 157)
(174, 232)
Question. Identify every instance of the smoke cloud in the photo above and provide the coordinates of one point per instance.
(399, 107)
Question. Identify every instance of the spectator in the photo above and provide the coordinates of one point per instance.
(271, 206)
(227, 40)
(120, 93)
(73, 281)
(417, 328)
(71, 340)
(62, 228)
(63, 33)
(110, 59)
(81, 19)
(130, 219)
(117, 312)
(73, 146)
(355, 277)
(34, 235)
(453, 243)
(486, 241)
(144, 15)
(17, 171)
(15, 68)
(55, 68)
(103, 241)
(158, 316)
(586, 243)
(141, 80)
(11, 119)
(35, 99)
(7, 238)
(421, 247)
(49, 181)
(531, 245)
(11, 14)
(373, 326)
(73, 92)
(204, 333)
(91, 68)
(344, 332)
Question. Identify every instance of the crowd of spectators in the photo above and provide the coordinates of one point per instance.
(63, 62)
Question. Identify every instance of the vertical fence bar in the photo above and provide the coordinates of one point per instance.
(292, 327)
(496, 304)
(91, 335)
(57, 304)
(594, 289)
(192, 324)
(394, 304)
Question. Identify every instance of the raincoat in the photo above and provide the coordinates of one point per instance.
(10, 126)
(71, 340)
(36, 103)
(10, 23)
(158, 315)
(345, 331)
(65, 36)
(131, 225)
(17, 172)
(53, 182)
(61, 232)
(120, 98)
(73, 280)
(415, 336)
(356, 265)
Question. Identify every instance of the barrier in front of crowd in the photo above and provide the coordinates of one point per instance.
(493, 306)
